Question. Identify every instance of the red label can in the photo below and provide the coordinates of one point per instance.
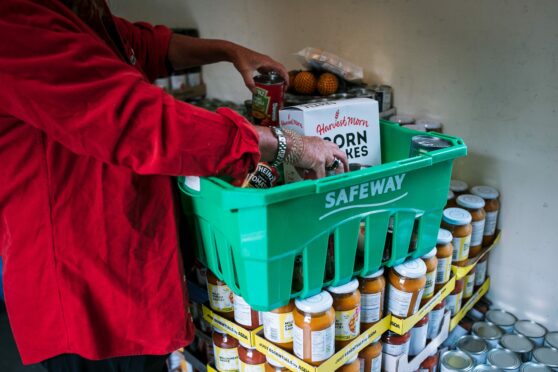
(267, 99)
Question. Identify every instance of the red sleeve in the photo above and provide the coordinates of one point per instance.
(58, 76)
(150, 44)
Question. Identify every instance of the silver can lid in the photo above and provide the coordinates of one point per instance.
(472, 345)
(517, 343)
(485, 368)
(547, 356)
(455, 360)
(500, 318)
(528, 328)
(551, 339)
(503, 359)
(487, 331)
(534, 367)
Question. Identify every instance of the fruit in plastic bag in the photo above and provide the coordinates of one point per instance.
(305, 82)
(327, 84)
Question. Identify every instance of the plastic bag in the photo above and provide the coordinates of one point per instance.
(319, 59)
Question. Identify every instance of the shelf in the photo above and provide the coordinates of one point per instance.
(461, 271)
(231, 328)
(470, 303)
(401, 326)
(195, 362)
(337, 360)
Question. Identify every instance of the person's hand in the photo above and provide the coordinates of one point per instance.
(248, 61)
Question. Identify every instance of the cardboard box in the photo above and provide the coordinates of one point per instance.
(352, 124)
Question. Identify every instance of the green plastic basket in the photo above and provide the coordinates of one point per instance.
(250, 238)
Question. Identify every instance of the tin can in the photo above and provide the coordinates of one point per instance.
(504, 359)
(551, 339)
(264, 177)
(456, 361)
(519, 344)
(474, 346)
(502, 319)
(488, 332)
(267, 99)
(485, 368)
(547, 356)
(422, 144)
(530, 329)
(430, 125)
(384, 96)
(534, 367)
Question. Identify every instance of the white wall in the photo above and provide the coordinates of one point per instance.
(487, 69)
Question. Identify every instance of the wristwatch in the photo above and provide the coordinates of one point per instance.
(281, 146)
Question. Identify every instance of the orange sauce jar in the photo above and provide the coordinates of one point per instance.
(346, 302)
(371, 357)
(394, 344)
(453, 301)
(444, 252)
(221, 297)
(491, 207)
(469, 286)
(273, 366)
(450, 203)
(314, 328)
(250, 359)
(225, 349)
(418, 337)
(406, 285)
(458, 187)
(245, 315)
(278, 326)
(458, 222)
(475, 206)
(435, 319)
(372, 288)
(352, 365)
(429, 364)
(431, 263)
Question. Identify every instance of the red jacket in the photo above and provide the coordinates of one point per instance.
(87, 228)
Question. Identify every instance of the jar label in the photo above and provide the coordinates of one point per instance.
(347, 324)
(430, 283)
(220, 298)
(370, 305)
(322, 343)
(453, 302)
(435, 318)
(417, 302)
(399, 302)
(469, 284)
(251, 367)
(243, 313)
(226, 359)
(478, 232)
(480, 273)
(418, 339)
(376, 365)
(396, 350)
(490, 223)
(278, 327)
(443, 270)
(461, 248)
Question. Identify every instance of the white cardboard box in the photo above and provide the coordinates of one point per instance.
(353, 124)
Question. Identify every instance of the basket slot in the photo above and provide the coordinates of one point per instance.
(226, 261)
(401, 238)
(345, 247)
(314, 259)
(210, 248)
(376, 226)
(197, 241)
(428, 232)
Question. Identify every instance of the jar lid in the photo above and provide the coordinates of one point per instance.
(457, 216)
(402, 119)
(451, 195)
(470, 201)
(455, 360)
(444, 236)
(504, 359)
(534, 367)
(487, 331)
(485, 192)
(429, 123)
(352, 360)
(215, 329)
(516, 343)
(315, 304)
(350, 287)
(500, 317)
(547, 356)
(245, 345)
(411, 269)
(430, 254)
(374, 275)
(529, 328)
(458, 186)
(552, 339)
(274, 363)
(472, 344)
(485, 368)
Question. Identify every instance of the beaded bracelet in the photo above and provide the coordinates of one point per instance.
(281, 147)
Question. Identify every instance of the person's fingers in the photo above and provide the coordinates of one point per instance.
(319, 168)
(277, 67)
(248, 80)
(342, 156)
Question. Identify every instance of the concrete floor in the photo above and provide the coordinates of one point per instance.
(9, 356)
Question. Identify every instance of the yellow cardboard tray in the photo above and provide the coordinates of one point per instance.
(337, 360)
(210, 368)
(461, 271)
(401, 326)
(470, 303)
(231, 328)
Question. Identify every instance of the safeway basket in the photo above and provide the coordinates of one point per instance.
(251, 238)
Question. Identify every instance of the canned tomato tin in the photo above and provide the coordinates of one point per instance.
(474, 346)
(502, 319)
(551, 339)
(504, 359)
(534, 367)
(519, 344)
(456, 361)
(547, 356)
(267, 99)
(488, 332)
(532, 330)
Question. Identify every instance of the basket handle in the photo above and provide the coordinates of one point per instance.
(190, 185)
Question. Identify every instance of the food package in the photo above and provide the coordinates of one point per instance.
(319, 59)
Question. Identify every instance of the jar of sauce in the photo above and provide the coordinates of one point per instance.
(221, 297)
(250, 359)
(273, 366)
(314, 328)
(371, 357)
(469, 286)
(480, 272)
(435, 319)
(352, 365)
(394, 344)
(406, 285)
(346, 302)
(475, 206)
(418, 337)
(444, 252)
(453, 301)
(458, 222)
(429, 364)
(451, 200)
(372, 288)
(458, 187)
(491, 207)
(245, 315)
(431, 263)
(225, 350)
(278, 326)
